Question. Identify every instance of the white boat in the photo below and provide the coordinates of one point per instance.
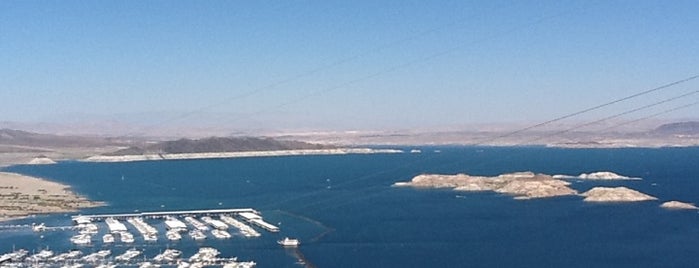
(196, 265)
(150, 237)
(235, 264)
(89, 228)
(170, 255)
(73, 254)
(97, 256)
(244, 228)
(220, 234)
(205, 254)
(148, 265)
(108, 238)
(197, 235)
(104, 253)
(289, 242)
(81, 239)
(197, 224)
(173, 235)
(128, 255)
(39, 227)
(126, 237)
(42, 255)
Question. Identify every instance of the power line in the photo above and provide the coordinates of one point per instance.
(651, 116)
(590, 109)
(369, 176)
(618, 115)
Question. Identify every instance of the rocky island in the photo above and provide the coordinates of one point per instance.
(615, 194)
(521, 185)
(678, 205)
(22, 196)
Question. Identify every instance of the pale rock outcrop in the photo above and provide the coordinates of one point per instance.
(41, 161)
(678, 205)
(615, 194)
(602, 175)
(522, 185)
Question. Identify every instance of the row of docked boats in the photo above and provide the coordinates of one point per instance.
(204, 257)
(176, 229)
(86, 239)
(149, 232)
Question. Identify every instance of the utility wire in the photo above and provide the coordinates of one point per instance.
(651, 116)
(379, 190)
(618, 115)
(590, 109)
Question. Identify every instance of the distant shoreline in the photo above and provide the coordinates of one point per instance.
(186, 156)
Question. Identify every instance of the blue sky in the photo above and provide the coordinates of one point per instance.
(343, 64)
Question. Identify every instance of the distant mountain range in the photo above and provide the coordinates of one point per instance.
(17, 141)
(30, 139)
(680, 128)
(218, 145)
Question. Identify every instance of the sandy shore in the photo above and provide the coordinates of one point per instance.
(21, 196)
(149, 157)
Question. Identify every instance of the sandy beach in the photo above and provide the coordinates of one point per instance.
(21, 196)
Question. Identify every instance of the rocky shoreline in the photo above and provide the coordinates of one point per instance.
(181, 156)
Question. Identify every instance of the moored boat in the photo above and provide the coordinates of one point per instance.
(289, 242)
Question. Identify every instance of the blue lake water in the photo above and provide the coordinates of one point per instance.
(346, 213)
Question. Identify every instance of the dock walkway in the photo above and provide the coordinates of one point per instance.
(163, 214)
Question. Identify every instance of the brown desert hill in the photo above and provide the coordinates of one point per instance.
(218, 145)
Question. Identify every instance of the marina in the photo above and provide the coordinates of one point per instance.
(100, 239)
(196, 223)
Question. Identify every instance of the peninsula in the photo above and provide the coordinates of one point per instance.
(21, 196)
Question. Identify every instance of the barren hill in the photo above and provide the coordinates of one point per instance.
(217, 145)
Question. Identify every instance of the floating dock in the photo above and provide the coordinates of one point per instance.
(115, 226)
(256, 219)
(163, 214)
(173, 223)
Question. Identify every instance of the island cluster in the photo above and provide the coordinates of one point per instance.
(529, 185)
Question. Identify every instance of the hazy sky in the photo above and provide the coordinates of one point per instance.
(343, 64)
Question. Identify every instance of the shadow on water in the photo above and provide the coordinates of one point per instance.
(299, 257)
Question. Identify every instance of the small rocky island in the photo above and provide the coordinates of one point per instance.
(522, 185)
(678, 205)
(525, 185)
(601, 175)
(615, 194)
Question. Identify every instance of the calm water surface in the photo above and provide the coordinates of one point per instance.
(346, 213)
